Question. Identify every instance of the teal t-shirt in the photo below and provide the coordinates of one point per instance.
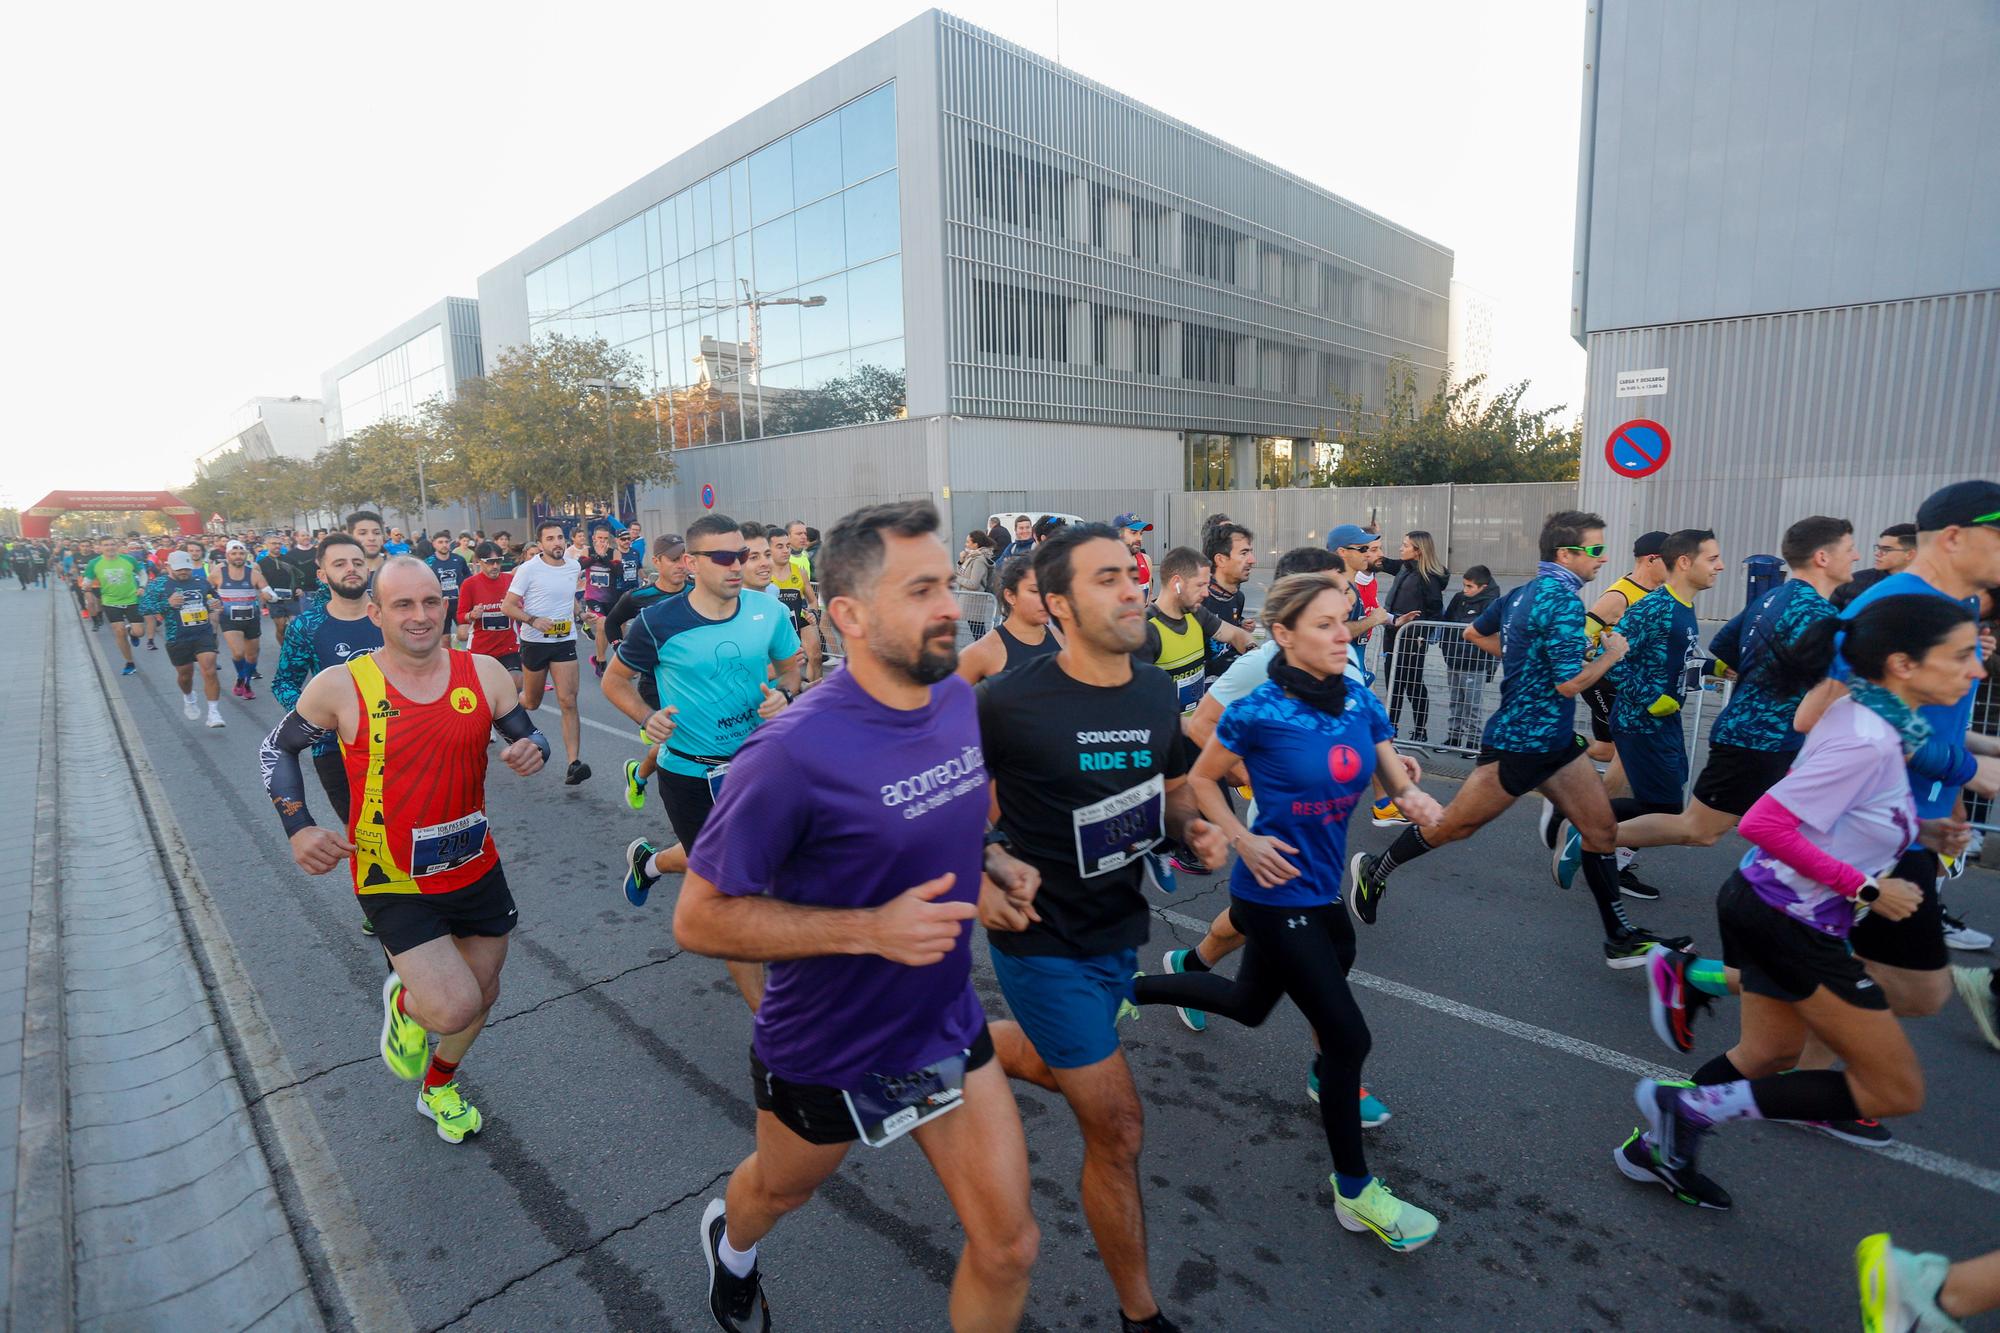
(711, 672)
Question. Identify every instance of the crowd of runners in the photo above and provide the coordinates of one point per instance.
(839, 824)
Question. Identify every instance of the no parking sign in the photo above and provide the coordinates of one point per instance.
(707, 496)
(1639, 448)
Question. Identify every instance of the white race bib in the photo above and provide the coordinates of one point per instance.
(1119, 829)
(439, 847)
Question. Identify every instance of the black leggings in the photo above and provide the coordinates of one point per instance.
(1303, 952)
(1406, 650)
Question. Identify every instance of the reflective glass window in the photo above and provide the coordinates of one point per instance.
(824, 328)
(684, 223)
(661, 366)
(816, 159)
(744, 269)
(873, 225)
(776, 261)
(868, 134)
(538, 294)
(822, 233)
(770, 181)
(603, 264)
(887, 356)
(823, 370)
(782, 377)
(779, 330)
(704, 216)
(721, 227)
(555, 287)
(739, 194)
(577, 265)
(630, 242)
(650, 222)
(875, 301)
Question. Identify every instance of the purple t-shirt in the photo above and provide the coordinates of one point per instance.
(1851, 793)
(842, 801)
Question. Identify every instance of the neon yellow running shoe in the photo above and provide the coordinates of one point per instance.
(635, 786)
(405, 1044)
(1402, 1226)
(455, 1117)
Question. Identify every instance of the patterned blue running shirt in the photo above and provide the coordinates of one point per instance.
(1541, 631)
(1758, 717)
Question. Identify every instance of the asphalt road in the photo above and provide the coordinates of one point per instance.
(614, 1081)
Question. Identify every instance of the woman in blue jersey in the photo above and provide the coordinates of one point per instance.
(1312, 746)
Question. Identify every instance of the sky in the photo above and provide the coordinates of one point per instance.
(216, 202)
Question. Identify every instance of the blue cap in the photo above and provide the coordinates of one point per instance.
(1350, 534)
(1132, 522)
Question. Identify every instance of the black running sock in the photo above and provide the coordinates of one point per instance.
(1718, 1070)
(1601, 873)
(1192, 961)
(1805, 1094)
(1407, 847)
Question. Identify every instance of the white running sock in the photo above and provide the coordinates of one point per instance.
(738, 1262)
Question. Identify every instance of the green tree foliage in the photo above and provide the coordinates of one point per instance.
(869, 393)
(1451, 436)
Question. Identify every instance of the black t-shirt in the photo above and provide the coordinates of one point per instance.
(1224, 606)
(628, 607)
(281, 574)
(1080, 771)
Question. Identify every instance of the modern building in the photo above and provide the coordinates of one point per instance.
(946, 266)
(1787, 262)
(1469, 340)
(266, 428)
(422, 358)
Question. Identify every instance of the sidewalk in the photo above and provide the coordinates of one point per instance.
(145, 1200)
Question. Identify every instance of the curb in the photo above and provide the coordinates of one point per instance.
(347, 1278)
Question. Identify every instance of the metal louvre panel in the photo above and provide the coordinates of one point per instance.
(1858, 412)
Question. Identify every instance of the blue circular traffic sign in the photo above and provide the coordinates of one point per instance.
(708, 497)
(1639, 448)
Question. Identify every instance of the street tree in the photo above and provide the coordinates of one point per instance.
(1452, 435)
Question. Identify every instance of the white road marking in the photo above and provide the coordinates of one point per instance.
(1937, 1163)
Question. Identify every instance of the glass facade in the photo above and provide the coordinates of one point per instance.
(394, 384)
(1210, 464)
(708, 290)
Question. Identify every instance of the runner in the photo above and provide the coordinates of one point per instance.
(1132, 531)
(281, 576)
(670, 577)
(1530, 743)
(482, 603)
(709, 653)
(1663, 648)
(365, 526)
(1311, 745)
(412, 721)
(1180, 625)
(241, 588)
(793, 585)
(1229, 550)
(116, 581)
(1022, 635)
(185, 599)
(541, 599)
(1820, 838)
(603, 579)
(1648, 572)
(1086, 754)
(1894, 549)
(452, 572)
(863, 912)
(1902, 1292)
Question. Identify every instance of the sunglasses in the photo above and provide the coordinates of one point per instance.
(724, 559)
(1592, 551)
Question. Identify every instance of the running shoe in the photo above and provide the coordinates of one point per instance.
(1373, 1113)
(1401, 1226)
(1632, 886)
(635, 786)
(1975, 986)
(1675, 1130)
(1384, 814)
(1159, 1323)
(191, 708)
(1186, 862)
(737, 1303)
(129, 670)
(215, 716)
(578, 771)
(1128, 1011)
(1632, 948)
(237, 689)
(248, 693)
(1958, 935)
(1672, 1002)
(255, 674)
(454, 1116)
(1364, 893)
(152, 647)
(367, 927)
(1951, 867)
(1860, 1133)
(597, 666)
(638, 873)
(1176, 964)
(1568, 856)
(1899, 1290)
(1638, 1160)
(405, 1047)
(1545, 823)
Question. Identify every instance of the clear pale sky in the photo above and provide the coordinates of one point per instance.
(215, 202)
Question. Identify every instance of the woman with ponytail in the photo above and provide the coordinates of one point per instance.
(1822, 843)
(1311, 745)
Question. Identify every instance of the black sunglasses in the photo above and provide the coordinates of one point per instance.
(725, 558)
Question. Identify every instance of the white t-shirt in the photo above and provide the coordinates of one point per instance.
(548, 592)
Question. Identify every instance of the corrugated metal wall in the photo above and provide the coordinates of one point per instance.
(817, 476)
(1858, 412)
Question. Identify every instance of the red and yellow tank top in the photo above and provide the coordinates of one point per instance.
(417, 774)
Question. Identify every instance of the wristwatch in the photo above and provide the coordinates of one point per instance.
(996, 837)
(1869, 891)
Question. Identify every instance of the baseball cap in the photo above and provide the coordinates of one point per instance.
(667, 543)
(180, 560)
(235, 546)
(1350, 534)
(1649, 543)
(1132, 522)
(1963, 504)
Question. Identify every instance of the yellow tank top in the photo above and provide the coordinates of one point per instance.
(1624, 587)
(1183, 656)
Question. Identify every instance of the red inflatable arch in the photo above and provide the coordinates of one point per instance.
(35, 521)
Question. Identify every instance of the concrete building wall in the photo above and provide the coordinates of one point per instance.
(455, 320)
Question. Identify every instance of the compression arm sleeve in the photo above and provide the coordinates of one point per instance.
(517, 727)
(1944, 760)
(284, 781)
(1775, 830)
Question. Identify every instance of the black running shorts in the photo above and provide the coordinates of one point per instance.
(512, 661)
(182, 651)
(1735, 776)
(1917, 941)
(403, 921)
(123, 615)
(537, 656)
(1598, 698)
(819, 1115)
(1521, 773)
(249, 629)
(688, 804)
(1785, 959)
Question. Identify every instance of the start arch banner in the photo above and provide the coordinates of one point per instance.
(35, 519)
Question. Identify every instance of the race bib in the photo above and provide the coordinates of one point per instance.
(559, 629)
(715, 775)
(282, 594)
(194, 613)
(1188, 685)
(440, 847)
(1118, 829)
(887, 1106)
(600, 577)
(240, 613)
(494, 620)
(447, 580)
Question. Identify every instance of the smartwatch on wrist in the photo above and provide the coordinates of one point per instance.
(1869, 891)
